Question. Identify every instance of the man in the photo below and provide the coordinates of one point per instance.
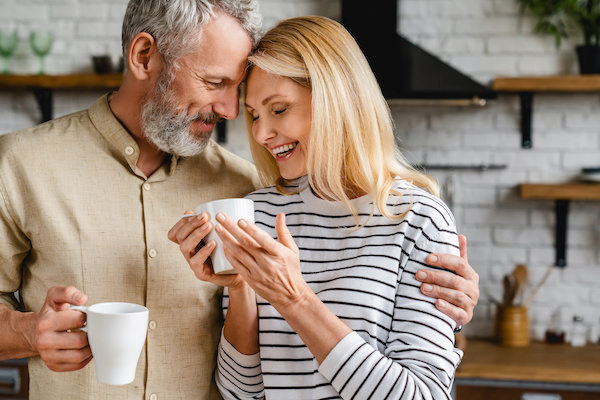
(86, 201)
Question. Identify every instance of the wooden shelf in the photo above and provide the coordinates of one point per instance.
(562, 194)
(74, 81)
(526, 86)
(559, 83)
(570, 191)
(44, 85)
(539, 362)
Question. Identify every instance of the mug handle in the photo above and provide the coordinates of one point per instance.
(82, 309)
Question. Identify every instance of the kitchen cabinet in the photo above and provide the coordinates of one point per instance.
(538, 372)
(526, 86)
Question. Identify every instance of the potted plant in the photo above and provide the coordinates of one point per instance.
(561, 17)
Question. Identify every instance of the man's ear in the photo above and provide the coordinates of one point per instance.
(144, 60)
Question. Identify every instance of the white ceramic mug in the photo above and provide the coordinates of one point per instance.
(235, 209)
(117, 333)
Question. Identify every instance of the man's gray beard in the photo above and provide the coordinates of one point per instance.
(168, 129)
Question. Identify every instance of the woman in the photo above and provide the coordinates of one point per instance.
(331, 307)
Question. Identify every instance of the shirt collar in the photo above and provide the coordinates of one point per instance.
(115, 133)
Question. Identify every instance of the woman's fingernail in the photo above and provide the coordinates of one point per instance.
(218, 228)
(421, 275)
(220, 217)
(427, 287)
(432, 258)
(442, 304)
(242, 223)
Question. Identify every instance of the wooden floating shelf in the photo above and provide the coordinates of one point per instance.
(570, 191)
(73, 81)
(44, 85)
(525, 86)
(562, 194)
(559, 83)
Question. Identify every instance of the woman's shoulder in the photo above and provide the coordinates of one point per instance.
(420, 201)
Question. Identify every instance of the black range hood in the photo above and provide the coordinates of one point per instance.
(404, 70)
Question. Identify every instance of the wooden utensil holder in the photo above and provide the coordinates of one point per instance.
(512, 326)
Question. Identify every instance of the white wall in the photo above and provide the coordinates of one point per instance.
(483, 38)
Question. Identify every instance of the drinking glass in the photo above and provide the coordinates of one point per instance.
(8, 45)
(41, 43)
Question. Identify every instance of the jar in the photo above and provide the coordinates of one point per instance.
(579, 332)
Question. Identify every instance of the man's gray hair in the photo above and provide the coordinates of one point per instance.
(175, 24)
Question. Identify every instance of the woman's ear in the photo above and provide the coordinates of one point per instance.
(144, 60)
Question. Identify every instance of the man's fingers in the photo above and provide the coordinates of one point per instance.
(68, 360)
(57, 341)
(456, 313)
(452, 263)
(462, 244)
(60, 297)
(441, 278)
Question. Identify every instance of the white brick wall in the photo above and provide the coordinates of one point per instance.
(483, 38)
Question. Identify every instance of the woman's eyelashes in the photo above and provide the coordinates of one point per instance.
(276, 111)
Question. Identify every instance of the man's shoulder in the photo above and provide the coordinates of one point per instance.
(53, 130)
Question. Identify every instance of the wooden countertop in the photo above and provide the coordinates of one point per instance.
(72, 81)
(539, 362)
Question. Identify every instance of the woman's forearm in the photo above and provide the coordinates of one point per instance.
(319, 328)
(241, 322)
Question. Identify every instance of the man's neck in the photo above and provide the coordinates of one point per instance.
(128, 111)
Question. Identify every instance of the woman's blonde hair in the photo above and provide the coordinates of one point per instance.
(352, 149)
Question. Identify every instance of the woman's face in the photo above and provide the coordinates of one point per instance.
(281, 119)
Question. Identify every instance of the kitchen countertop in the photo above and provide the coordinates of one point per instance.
(539, 362)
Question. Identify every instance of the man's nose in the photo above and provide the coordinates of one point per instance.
(228, 105)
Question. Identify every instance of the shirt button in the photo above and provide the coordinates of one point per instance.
(129, 150)
(152, 253)
(152, 325)
(153, 396)
(147, 187)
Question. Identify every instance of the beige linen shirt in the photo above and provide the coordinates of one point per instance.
(75, 210)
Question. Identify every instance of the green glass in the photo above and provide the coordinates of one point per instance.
(8, 45)
(41, 43)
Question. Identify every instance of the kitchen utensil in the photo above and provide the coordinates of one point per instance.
(521, 275)
(509, 284)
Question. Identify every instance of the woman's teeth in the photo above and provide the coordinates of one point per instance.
(284, 150)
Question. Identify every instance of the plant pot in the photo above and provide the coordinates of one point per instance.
(589, 59)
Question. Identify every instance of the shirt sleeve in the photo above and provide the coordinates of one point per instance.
(419, 359)
(14, 247)
(238, 376)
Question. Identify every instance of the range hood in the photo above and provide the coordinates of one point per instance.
(406, 73)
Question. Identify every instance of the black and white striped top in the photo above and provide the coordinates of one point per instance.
(401, 346)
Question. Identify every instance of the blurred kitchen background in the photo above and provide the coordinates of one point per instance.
(476, 153)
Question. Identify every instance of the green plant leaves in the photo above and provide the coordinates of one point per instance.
(557, 17)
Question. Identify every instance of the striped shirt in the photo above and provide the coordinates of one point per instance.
(401, 346)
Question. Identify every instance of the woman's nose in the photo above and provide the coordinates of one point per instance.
(263, 131)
